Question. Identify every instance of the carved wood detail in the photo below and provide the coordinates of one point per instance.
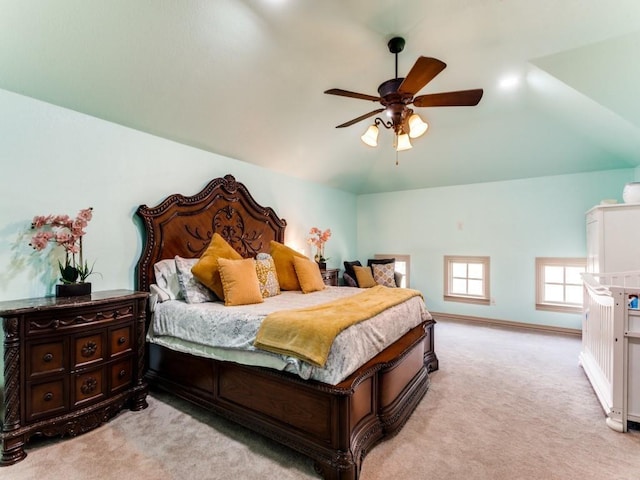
(89, 349)
(55, 323)
(11, 419)
(184, 225)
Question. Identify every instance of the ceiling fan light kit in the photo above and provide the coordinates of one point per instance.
(403, 142)
(397, 94)
(417, 127)
(370, 137)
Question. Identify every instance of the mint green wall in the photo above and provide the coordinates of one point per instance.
(57, 161)
(513, 222)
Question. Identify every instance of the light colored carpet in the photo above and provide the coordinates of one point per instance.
(505, 404)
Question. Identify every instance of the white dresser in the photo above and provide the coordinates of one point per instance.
(613, 238)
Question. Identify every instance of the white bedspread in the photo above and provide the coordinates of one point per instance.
(227, 333)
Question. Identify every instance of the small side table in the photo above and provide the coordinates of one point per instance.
(330, 276)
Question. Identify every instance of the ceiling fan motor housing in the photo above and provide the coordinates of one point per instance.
(389, 87)
(395, 103)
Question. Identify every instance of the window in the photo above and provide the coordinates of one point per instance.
(559, 284)
(402, 265)
(466, 279)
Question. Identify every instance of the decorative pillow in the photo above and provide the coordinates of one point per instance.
(348, 269)
(167, 278)
(385, 274)
(283, 259)
(309, 275)
(190, 288)
(206, 270)
(267, 276)
(349, 281)
(380, 261)
(364, 277)
(239, 281)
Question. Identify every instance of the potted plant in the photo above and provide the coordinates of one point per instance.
(66, 232)
(318, 238)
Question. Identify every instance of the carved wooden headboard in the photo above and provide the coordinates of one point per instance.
(182, 225)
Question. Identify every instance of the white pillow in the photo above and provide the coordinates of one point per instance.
(167, 278)
(159, 294)
(190, 287)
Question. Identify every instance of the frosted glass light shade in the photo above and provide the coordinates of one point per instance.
(403, 142)
(416, 126)
(370, 137)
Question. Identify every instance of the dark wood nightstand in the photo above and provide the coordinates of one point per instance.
(330, 276)
(70, 364)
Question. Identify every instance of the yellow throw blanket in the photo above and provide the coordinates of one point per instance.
(308, 333)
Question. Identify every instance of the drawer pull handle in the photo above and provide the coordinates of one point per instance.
(89, 385)
(47, 357)
(89, 349)
(122, 340)
(122, 373)
(47, 397)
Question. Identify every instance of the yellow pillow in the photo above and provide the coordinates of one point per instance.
(206, 270)
(364, 277)
(283, 258)
(308, 274)
(239, 281)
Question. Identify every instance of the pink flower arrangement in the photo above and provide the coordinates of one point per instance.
(318, 238)
(67, 233)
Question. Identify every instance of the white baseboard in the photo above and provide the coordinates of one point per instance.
(506, 323)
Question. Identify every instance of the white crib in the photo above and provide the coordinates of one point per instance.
(610, 354)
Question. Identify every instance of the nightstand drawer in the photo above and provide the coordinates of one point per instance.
(46, 399)
(89, 386)
(45, 358)
(80, 318)
(120, 339)
(121, 374)
(88, 349)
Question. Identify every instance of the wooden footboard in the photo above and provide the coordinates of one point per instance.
(334, 425)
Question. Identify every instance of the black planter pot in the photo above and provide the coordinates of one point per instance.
(322, 265)
(73, 289)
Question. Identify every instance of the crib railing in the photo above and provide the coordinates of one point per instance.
(605, 340)
(618, 279)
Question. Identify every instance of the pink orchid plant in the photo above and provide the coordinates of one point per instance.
(318, 238)
(67, 233)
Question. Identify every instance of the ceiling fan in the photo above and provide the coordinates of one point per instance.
(397, 94)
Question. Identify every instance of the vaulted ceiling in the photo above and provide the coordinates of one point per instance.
(245, 79)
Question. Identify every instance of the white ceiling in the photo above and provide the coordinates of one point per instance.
(245, 79)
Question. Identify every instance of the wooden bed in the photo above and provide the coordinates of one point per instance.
(333, 425)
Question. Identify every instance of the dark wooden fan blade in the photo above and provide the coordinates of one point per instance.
(360, 118)
(423, 71)
(461, 98)
(346, 93)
